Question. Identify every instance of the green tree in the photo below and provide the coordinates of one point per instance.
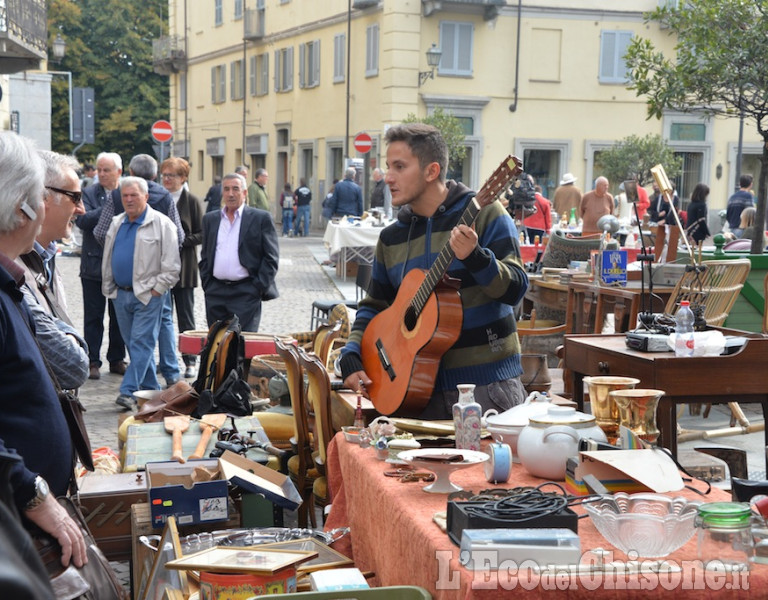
(109, 48)
(718, 69)
(452, 131)
(633, 157)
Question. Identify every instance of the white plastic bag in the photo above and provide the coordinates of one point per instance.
(705, 343)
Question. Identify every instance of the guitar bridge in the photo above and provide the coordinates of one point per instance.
(385, 362)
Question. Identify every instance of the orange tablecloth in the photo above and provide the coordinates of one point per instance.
(392, 534)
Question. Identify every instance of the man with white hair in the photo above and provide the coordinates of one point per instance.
(109, 166)
(64, 349)
(32, 423)
(141, 264)
(145, 166)
(238, 260)
(594, 205)
(347, 199)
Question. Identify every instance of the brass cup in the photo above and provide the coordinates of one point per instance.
(637, 411)
(603, 407)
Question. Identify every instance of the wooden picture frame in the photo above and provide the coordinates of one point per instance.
(231, 559)
(327, 557)
(160, 578)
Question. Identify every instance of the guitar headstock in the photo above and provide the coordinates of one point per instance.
(509, 168)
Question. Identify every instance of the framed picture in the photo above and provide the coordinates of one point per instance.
(241, 560)
(327, 557)
(160, 578)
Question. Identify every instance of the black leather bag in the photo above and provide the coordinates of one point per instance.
(93, 581)
(233, 396)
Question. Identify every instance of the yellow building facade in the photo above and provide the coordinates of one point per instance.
(287, 84)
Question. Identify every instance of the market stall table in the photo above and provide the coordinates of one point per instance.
(393, 534)
(351, 242)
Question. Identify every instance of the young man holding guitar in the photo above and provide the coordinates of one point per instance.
(446, 277)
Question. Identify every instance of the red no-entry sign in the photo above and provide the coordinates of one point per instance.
(363, 143)
(162, 131)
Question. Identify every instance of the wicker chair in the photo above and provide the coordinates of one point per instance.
(716, 288)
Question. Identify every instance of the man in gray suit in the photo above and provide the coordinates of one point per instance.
(238, 261)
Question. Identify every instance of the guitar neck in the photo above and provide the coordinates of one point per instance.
(440, 266)
(495, 184)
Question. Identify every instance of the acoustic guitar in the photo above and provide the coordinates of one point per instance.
(402, 345)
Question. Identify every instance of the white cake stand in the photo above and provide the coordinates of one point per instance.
(442, 471)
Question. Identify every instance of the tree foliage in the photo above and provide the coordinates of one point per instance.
(718, 68)
(109, 48)
(633, 157)
(451, 129)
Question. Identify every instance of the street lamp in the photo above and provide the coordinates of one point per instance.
(433, 59)
(59, 47)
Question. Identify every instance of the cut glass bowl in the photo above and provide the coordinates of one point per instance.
(649, 525)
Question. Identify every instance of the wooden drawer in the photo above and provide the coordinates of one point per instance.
(105, 501)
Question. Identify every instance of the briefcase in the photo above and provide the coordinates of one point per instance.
(105, 501)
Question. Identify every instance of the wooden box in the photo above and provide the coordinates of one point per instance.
(105, 501)
(351, 269)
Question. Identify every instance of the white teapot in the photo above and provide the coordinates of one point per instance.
(506, 427)
(550, 439)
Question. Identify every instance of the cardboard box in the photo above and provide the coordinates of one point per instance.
(351, 268)
(171, 490)
(629, 471)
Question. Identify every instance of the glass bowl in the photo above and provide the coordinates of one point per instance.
(650, 525)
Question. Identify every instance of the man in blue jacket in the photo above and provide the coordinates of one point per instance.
(347, 199)
(144, 166)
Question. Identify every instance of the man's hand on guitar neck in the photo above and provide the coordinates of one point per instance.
(463, 241)
(357, 382)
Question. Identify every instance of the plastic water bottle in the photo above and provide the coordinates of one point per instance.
(684, 330)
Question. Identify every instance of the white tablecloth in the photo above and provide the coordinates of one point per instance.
(350, 236)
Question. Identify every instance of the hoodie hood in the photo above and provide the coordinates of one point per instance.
(456, 191)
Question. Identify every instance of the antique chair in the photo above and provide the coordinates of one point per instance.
(716, 289)
(319, 401)
(300, 465)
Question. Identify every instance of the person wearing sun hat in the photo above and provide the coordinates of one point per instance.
(567, 195)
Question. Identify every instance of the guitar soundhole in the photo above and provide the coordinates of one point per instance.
(410, 318)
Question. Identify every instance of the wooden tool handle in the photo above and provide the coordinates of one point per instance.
(177, 446)
(205, 437)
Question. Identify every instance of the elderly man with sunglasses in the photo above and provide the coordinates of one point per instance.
(63, 348)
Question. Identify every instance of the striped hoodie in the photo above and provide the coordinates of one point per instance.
(492, 279)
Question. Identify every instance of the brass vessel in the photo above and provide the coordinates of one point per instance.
(603, 407)
(637, 411)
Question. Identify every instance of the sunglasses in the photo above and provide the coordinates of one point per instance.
(76, 197)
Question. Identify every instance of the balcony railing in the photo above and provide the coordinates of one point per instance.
(254, 23)
(488, 8)
(22, 35)
(168, 55)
